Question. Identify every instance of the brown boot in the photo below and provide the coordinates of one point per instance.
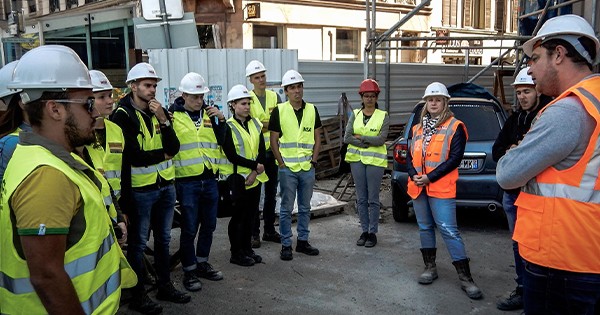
(466, 281)
(430, 272)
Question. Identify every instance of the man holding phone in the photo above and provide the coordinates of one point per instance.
(147, 189)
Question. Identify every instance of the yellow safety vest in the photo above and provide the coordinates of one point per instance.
(150, 140)
(246, 145)
(109, 161)
(376, 156)
(297, 142)
(96, 265)
(198, 146)
(257, 111)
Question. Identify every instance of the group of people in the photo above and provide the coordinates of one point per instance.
(105, 177)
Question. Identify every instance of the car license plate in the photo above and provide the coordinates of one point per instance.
(468, 164)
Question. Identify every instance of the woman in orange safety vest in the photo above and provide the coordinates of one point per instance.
(436, 149)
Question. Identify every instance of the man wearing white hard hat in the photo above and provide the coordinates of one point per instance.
(263, 103)
(556, 164)
(58, 253)
(512, 132)
(200, 130)
(147, 189)
(296, 143)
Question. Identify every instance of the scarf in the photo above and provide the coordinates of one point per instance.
(428, 129)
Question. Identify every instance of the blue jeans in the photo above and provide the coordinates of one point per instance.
(367, 180)
(290, 183)
(198, 202)
(550, 291)
(432, 211)
(508, 203)
(152, 207)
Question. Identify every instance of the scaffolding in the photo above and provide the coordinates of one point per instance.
(375, 41)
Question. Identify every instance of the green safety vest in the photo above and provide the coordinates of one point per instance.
(198, 146)
(257, 111)
(375, 155)
(297, 142)
(150, 140)
(246, 145)
(96, 265)
(108, 160)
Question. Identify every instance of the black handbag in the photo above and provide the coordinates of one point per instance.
(343, 167)
(230, 192)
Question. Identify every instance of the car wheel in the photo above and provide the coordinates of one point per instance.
(400, 208)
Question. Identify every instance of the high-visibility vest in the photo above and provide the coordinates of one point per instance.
(263, 114)
(558, 225)
(198, 146)
(297, 142)
(246, 145)
(150, 140)
(375, 155)
(437, 152)
(108, 160)
(95, 264)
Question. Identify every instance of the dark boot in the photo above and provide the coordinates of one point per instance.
(513, 302)
(466, 281)
(430, 272)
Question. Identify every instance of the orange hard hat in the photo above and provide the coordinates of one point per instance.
(369, 85)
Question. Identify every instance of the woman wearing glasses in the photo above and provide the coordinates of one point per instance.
(365, 135)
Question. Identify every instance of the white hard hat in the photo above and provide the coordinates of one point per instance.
(237, 92)
(49, 68)
(291, 77)
(523, 78)
(436, 89)
(100, 81)
(193, 83)
(6, 74)
(566, 27)
(142, 70)
(253, 67)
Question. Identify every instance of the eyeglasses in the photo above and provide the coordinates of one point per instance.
(88, 103)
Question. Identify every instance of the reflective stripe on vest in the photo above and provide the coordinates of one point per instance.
(297, 140)
(150, 140)
(425, 160)
(559, 210)
(108, 160)
(246, 145)
(198, 148)
(95, 264)
(372, 155)
(263, 114)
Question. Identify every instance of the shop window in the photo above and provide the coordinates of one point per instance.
(346, 43)
(266, 36)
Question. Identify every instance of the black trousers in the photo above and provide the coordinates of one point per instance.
(242, 220)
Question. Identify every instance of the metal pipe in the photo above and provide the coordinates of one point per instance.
(388, 82)
(368, 44)
(165, 22)
(408, 39)
(373, 34)
(489, 66)
(88, 42)
(442, 47)
(404, 19)
(560, 5)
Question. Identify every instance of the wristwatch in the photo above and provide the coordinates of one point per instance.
(166, 124)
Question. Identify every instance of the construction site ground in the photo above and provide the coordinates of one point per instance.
(348, 279)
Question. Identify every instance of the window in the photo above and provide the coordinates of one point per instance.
(449, 12)
(32, 6)
(476, 13)
(54, 5)
(205, 36)
(460, 60)
(266, 36)
(346, 43)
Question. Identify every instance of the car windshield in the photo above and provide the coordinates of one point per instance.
(481, 120)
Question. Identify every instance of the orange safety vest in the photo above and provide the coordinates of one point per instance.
(437, 152)
(558, 225)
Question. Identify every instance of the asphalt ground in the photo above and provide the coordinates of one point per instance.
(348, 279)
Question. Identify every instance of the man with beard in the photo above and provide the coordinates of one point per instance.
(556, 164)
(147, 189)
(58, 252)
